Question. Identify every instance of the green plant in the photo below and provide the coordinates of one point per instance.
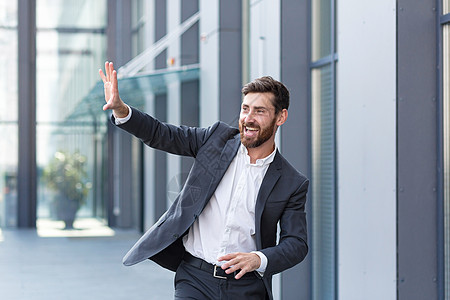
(66, 174)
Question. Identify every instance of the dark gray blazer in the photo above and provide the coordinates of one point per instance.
(281, 198)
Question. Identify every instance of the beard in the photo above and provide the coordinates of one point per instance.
(263, 136)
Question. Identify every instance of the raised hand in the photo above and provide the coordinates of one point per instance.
(112, 97)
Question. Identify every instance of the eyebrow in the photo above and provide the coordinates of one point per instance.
(255, 107)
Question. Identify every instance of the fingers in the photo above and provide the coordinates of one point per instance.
(110, 83)
(245, 262)
(108, 71)
(240, 274)
(102, 75)
(106, 106)
(107, 76)
(232, 266)
(114, 82)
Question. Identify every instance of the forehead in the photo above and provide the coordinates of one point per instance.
(258, 99)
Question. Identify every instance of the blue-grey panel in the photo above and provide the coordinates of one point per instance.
(190, 39)
(160, 162)
(160, 31)
(230, 60)
(295, 141)
(417, 141)
(26, 178)
(119, 51)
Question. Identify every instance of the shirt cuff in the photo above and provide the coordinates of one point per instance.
(120, 121)
(263, 265)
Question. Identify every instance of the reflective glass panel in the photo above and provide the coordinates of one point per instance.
(71, 152)
(71, 13)
(446, 152)
(8, 174)
(8, 13)
(321, 28)
(323, 184)
(138, 21)
(445, 7)
(8, 114)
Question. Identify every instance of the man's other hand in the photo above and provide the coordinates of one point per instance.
(245, 262)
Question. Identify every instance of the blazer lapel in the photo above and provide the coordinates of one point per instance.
(270, 179)
(225, 159)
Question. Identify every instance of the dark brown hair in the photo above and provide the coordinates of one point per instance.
(267, 84)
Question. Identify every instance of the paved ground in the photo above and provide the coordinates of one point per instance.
(76, 264)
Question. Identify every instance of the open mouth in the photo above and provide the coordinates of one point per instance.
(250, 131)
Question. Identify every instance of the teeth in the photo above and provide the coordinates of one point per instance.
(251, 129)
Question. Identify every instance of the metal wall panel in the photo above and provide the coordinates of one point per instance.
(190, 92)
(26, 179)
(160, 18)
(160, 109)
(417, 141)
(295, 140)
(230, 60)
(119, 51)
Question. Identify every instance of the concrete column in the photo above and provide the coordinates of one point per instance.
(149, 107)
(160, 112)
(366, 150)
(26, 177)
(121, 207)
(209, 60)
(295, 141)
(173, 88)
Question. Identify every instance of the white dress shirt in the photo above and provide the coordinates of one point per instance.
(227, 223)
(124, 119)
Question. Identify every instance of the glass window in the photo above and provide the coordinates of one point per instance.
(8, 14)
(70, 151)
(71, 13)
(323, 126)
(323, 183)
(446, 7)
(8, 113)
(138, 20)
(446, 153)
(321, 28)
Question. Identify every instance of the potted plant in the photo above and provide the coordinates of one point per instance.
(66, 175)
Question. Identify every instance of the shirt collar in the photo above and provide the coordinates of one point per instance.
(259, 162)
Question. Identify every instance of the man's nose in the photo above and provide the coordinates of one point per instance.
(249, 117)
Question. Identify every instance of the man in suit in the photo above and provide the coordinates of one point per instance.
(220, 234)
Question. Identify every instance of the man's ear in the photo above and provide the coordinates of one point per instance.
(282, 117)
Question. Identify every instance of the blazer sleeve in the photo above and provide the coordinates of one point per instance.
(180, 140)
(292, 246)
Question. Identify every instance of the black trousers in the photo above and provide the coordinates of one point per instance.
(194, 283)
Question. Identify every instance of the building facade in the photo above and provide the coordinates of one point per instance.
(368, 121)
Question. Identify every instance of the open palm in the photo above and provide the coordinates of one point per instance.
(112, 98)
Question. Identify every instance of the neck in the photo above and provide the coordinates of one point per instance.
(262, 151)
